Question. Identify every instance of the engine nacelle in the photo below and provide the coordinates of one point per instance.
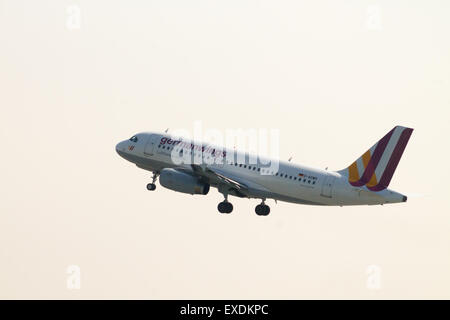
(182, 182)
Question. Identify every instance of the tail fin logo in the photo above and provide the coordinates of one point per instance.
(379, 162)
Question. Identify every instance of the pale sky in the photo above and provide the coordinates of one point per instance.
(332, 76)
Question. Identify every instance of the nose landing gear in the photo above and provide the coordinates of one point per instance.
(152, 186)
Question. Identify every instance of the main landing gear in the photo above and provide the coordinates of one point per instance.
(225, 206)
(152, 186)
(262, 209)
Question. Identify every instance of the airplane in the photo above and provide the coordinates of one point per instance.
(364, 182)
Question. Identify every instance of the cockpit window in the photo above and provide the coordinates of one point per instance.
(134, 139)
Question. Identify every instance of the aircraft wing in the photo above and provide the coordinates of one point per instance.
(240, 187)
(219, 178)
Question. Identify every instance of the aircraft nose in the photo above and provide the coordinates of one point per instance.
(120, 147)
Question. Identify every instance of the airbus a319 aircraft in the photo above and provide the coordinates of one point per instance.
(364, 182)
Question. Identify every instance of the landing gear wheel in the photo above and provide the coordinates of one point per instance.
(152, 186)
(225, 207)
(262, 210)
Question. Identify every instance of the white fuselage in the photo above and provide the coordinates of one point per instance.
(290, 182)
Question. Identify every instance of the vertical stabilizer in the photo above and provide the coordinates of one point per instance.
(376, 166)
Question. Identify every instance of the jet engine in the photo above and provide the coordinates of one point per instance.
(182, 182)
